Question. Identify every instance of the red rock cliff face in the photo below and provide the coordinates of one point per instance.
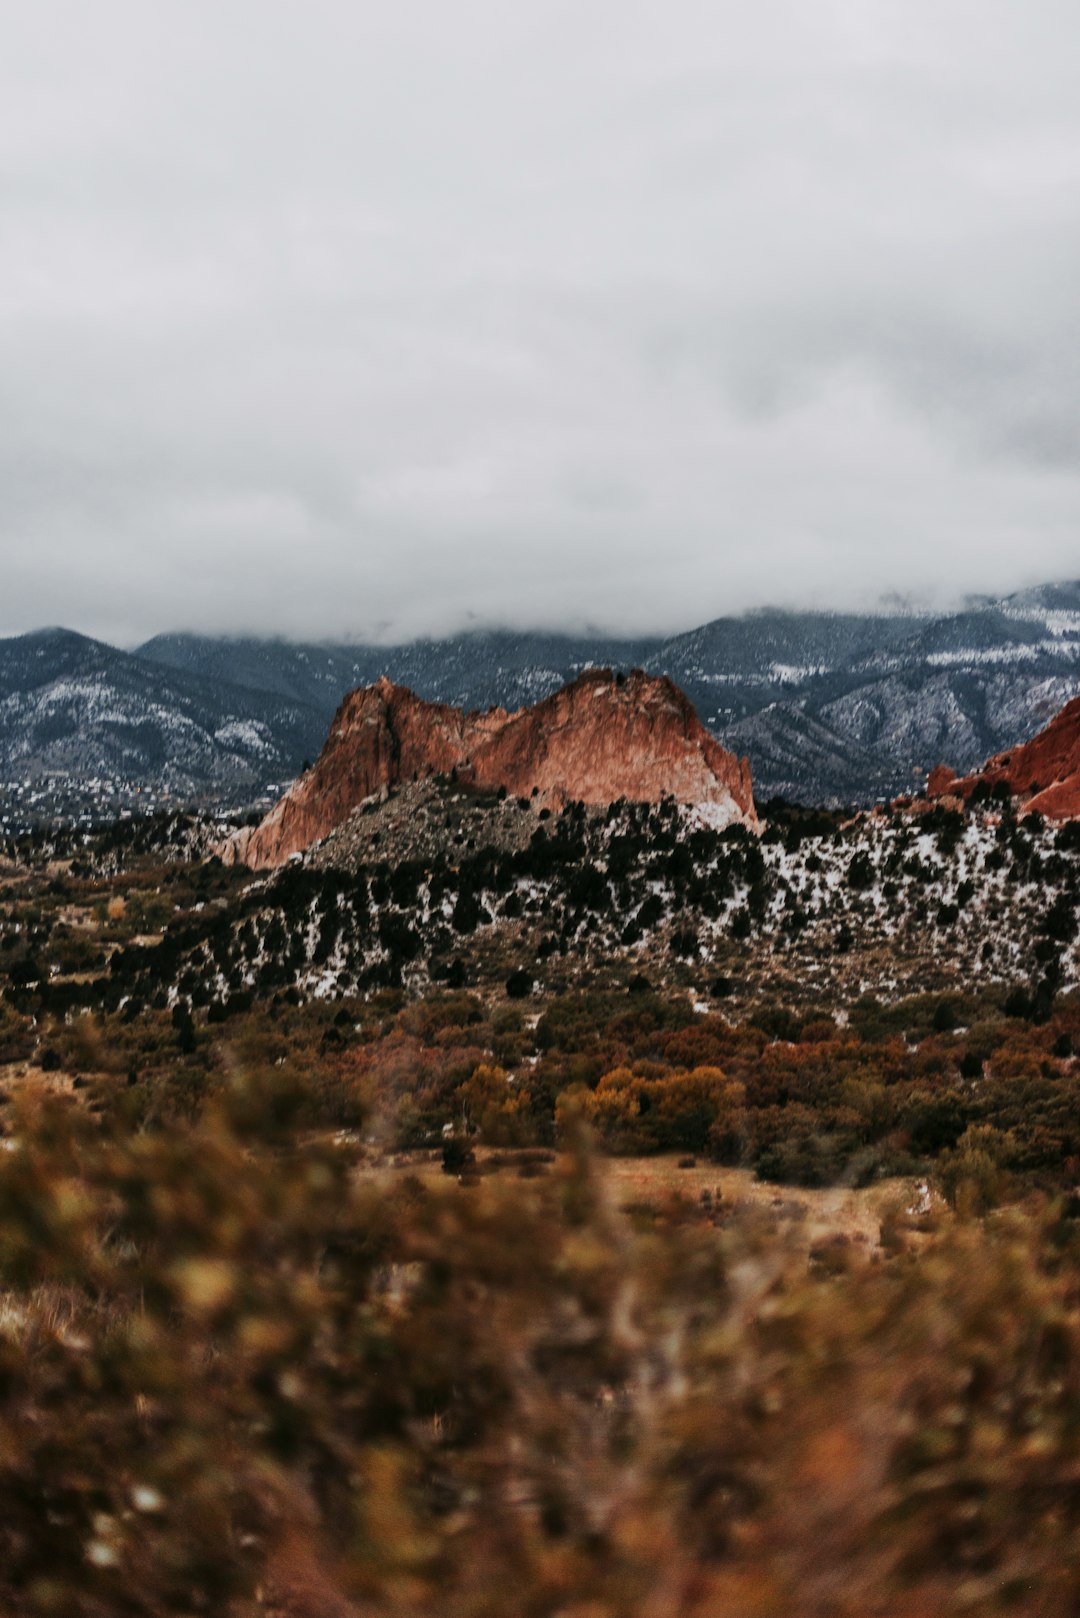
(1043, 773)
(596, 740)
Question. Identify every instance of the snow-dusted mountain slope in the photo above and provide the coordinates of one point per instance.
(76, 708)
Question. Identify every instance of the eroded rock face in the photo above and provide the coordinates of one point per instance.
(1044, 773)
(599, 739)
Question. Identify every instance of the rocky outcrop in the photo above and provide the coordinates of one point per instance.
(601, 738)
(941, 781)
(1044, 773)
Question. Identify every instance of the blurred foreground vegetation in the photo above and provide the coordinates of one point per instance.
(241, 1371)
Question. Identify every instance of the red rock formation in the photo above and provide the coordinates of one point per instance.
(596, 740)
(1043, 773)
(940, 781)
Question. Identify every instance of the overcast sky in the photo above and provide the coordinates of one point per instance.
(364, 318)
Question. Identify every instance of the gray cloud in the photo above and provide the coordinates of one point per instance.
(361, 319)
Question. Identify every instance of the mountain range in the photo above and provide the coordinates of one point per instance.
(829, 707)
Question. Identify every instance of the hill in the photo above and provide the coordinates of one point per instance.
(73, 706)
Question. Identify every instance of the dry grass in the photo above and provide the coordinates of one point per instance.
(809, 1215)
(27, 1079)
(834, 1210)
